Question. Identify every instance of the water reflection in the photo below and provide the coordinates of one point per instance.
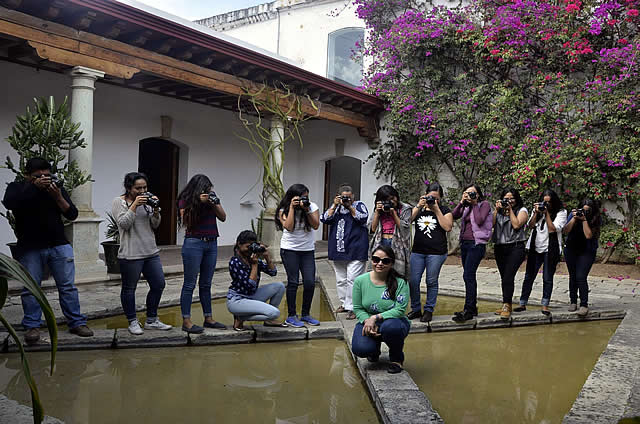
(301, 382)
(517, 375)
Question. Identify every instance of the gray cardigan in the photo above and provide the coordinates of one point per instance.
(137, 240)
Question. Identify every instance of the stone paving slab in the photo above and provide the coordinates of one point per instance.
(419, 327)
(632, 409)
(326, 330)
(405, 407)
(491, 321)
(445, 323)
(529, 318)
(279, 334)
(212, 337)
(151, 338)
(11, 412)
(102, 339)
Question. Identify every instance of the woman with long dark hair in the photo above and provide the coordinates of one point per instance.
(509, 223)
(391, 226)
(582, 230)
(547, 220)
(137, 214)
(433, 220)
(475, 232)
(380, 299)
(199, 209)
(247, 299)
(297, 217)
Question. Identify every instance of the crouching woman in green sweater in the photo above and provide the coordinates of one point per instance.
(380, 299)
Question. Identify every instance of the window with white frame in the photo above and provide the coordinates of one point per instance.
(341, 66)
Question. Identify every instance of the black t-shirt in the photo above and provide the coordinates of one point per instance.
(430, 238)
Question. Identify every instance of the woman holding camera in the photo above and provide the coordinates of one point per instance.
(246, 299)
(199, 209)
(547, 220)
(509, 223)
(583, 231)
(297, 218)
(391, 226)
(432, 221)
(475, 232)
(380, 299)
(348, 243)
(137, 214)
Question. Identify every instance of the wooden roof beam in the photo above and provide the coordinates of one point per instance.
(157, 83)
(138, 38)
(83, 20)
(162, 46)
(186, 53)
(111, 29)
(204, 59)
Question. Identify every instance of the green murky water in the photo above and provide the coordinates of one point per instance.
(301, 382)
(172, 315)
(516, 375)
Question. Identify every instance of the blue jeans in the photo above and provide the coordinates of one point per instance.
(296, 262)
(60, 262)
(433, 264)
(534, 262)
(386, 241)
(472, 255)
(579, 265)
(392, 331)
(198, 256)
(255, 308)
(130, 271)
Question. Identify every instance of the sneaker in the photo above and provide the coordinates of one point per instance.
(309, 320)
(583, 311)
(135, 328)
(573, 307)
(293, 321)
(414, 314)
(520, 308)
(427, 316)
(82, 331)
(32, 335)
(506, 311)
(464, 316)
(157, 325)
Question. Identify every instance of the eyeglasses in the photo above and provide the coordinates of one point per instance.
(385, 261)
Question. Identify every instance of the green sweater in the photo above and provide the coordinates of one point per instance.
(369, 299)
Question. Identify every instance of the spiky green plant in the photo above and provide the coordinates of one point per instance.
(112, 232)
(10, 269)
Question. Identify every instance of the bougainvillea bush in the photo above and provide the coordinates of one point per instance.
(529, 93)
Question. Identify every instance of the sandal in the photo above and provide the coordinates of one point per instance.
(238, 325)
(394, 368)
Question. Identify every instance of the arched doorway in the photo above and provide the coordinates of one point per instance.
(344, 169)
(160, 159)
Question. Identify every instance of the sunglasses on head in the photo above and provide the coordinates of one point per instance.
(385, 261)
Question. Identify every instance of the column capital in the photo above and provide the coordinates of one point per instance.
(82, 71)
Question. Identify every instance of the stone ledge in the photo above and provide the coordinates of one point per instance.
(418, 327)
(102, 339)
(529, 318)
(491, 321)
(272, 334)
(565, 316)
(326, 330)
(212, 337)
(151, 338)
(405, 407)
(445, 323)
(379, 379)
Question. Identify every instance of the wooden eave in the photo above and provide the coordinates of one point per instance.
(142, 51)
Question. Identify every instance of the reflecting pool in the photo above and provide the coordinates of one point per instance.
(509, 375)
(299, 382)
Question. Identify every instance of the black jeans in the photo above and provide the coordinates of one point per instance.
(130, 271)
(472, 254)
(509, 257)
(296, 262)
(534, 262)
(579, 265)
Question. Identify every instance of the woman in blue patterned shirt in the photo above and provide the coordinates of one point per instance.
(246, 300)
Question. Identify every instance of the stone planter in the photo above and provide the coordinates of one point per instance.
(111, 256)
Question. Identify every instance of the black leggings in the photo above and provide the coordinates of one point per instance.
(509, 257)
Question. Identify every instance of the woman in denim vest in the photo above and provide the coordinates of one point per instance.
(199, 209)
(475, 231)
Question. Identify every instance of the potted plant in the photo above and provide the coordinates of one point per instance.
(112, 245)
(46, 131)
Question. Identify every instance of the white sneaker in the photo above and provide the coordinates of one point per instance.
(134, 328)
(157, 325)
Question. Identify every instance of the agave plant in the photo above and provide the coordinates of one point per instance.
(112, 232)
(11, 269)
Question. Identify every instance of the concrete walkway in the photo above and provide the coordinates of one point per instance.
(611, 391)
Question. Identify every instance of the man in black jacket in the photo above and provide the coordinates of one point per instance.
(37, 204)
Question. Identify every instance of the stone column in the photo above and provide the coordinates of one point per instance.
(83, 233)
(270, 235)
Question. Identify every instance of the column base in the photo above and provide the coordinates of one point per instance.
(83, 234)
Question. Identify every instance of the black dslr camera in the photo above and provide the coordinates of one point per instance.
(505, 203)
(345, 199)
(57, 181)
(256, 248)
(542, 206)
(387, 205)
(430, 200)
(213, 198)
(472, 195)
(154, 203)
(583, 212)
(304, 201)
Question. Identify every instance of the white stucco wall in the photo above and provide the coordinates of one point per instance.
(304, 32)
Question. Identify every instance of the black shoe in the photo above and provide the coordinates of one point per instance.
(394, 368)
(414, 314)
(462, 317)
(194, 329)
(427, 316)
(521, 308)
